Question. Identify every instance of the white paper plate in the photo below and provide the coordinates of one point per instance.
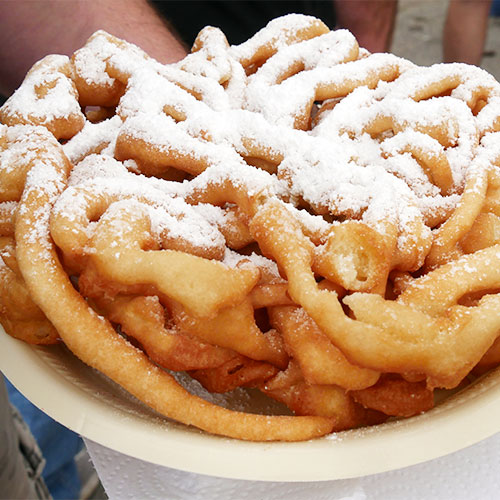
(93, 406)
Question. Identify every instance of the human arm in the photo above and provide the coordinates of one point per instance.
(29, 30)
(370, 21)
(465, 30)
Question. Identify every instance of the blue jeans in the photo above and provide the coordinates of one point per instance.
(58, 444)
(495, 8)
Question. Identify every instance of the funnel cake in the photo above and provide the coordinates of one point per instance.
(292, 214)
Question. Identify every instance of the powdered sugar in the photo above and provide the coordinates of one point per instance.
(203, 156)
(47, 93)
(94, 137)
(367, 157)
(92, 62)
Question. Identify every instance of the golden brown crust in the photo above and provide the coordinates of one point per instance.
(291, 214)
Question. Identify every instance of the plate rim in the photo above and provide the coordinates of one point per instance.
(348, 454)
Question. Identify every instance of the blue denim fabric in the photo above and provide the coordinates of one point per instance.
(495, 8)
(59, 446)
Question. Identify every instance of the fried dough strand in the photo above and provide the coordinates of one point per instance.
(292, 214)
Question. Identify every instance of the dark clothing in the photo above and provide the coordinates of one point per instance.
(239, 20)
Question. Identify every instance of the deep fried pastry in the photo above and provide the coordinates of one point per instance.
(392, 395)
(292, 214)
(19, 315)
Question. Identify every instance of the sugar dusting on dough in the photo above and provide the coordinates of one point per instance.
(341, 166)
(342, 135)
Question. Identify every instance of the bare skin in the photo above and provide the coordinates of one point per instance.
(370, 21)
(465, 30)
(31, 29)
